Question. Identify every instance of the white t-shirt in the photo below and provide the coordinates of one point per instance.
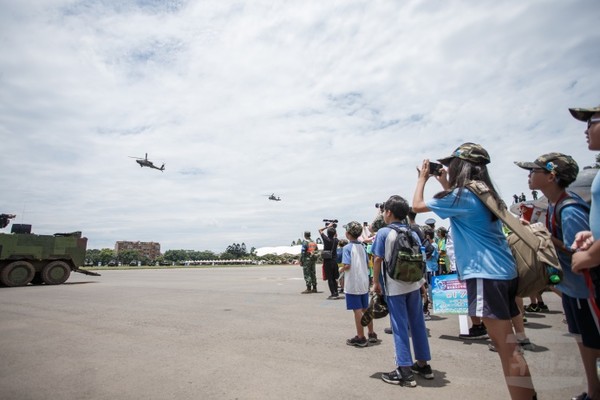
(356, 279)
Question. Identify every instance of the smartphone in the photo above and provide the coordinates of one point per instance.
(435, 169)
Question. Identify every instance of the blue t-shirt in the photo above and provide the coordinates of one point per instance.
(432, 262)
(595, 210)
(480, 247)
(574, 219)
(382, 247)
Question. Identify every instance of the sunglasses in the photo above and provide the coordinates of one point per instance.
(592, 121)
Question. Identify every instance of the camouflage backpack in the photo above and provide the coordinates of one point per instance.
(406, 264)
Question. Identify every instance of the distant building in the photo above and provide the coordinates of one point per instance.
(146, 249)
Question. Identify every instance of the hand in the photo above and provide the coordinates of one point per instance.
(579, 261)
(376, 287)
(583, 240)
(423, 173)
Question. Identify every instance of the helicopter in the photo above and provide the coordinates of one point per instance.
(273, 197)
(144, 162)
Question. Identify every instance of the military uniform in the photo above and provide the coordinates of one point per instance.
(308, 259)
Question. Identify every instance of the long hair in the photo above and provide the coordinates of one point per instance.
(461, 172)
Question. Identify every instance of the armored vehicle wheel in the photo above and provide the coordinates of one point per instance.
(56, 273)
(17, 273)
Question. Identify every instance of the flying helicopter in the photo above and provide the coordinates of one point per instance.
(273, 197)
(144, 162)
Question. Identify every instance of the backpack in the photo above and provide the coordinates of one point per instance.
(531, 245)
(406, 264)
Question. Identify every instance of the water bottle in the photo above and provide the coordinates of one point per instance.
(553, 275)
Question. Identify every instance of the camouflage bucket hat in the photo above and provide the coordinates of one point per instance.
(584, 114)
(354, 228)
(377, 223)
(562, 165)
(470, 152)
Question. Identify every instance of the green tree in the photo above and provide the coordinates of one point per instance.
(127, 256)
(106, 255)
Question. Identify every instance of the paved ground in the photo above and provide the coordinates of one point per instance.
(237, 333)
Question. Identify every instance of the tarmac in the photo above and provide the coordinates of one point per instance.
(239, 333)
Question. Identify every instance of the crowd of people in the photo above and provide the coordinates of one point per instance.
(475, 247)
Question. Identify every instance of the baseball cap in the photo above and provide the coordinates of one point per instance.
(562, 165)
(377, 223)
(584, 114)
(471, 152)
(354, 228)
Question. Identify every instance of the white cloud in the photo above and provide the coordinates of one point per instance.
(331, 105)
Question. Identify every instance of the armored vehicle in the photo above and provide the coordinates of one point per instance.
(49, 259)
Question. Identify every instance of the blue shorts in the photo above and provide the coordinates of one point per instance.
(357, 301)
(492, 298)
(582, 321)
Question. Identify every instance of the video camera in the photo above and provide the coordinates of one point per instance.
(331, 223)
(5, 219)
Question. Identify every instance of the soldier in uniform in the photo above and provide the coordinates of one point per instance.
(308, 259)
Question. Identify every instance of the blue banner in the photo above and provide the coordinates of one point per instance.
(449, 295)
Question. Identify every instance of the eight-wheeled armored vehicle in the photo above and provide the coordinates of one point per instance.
(49, 259)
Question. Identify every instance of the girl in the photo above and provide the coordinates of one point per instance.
(483, 258)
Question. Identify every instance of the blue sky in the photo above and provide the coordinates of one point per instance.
(329, 104)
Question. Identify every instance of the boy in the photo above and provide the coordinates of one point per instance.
(356, 283)
(552, 173)
(404, 302)
(587, 258)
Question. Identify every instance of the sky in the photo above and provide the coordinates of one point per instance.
(330, 105)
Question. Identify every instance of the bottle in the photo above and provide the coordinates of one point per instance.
(553, 275)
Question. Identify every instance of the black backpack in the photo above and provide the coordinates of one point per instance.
(406, 264)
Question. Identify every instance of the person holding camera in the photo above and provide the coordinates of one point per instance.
(329, 255)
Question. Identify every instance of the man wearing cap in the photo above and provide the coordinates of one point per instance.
(587, 258)
(308, 259)
(568, 214)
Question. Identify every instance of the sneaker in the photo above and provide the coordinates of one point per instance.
(424, 371)
(388, 330)
(525, 322)
(582, 396)
(543, 307)
(427, 316)
(533, 307)
(525, 344)
(373, 337)
(357, 342)
(333, 297)
(476, 332)
(400, 376)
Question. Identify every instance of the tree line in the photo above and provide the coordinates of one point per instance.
(234, 251)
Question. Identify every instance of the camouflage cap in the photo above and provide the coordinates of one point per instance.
(377, 223)
(470, 152)
(562, 165)
(584, 114)
(354, 228)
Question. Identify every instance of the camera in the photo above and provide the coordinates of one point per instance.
(331, 222)
(435, 169)
(379, 205)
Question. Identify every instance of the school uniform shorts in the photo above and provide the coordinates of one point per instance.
(582, 321)
(492, 298)
(357, 301)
